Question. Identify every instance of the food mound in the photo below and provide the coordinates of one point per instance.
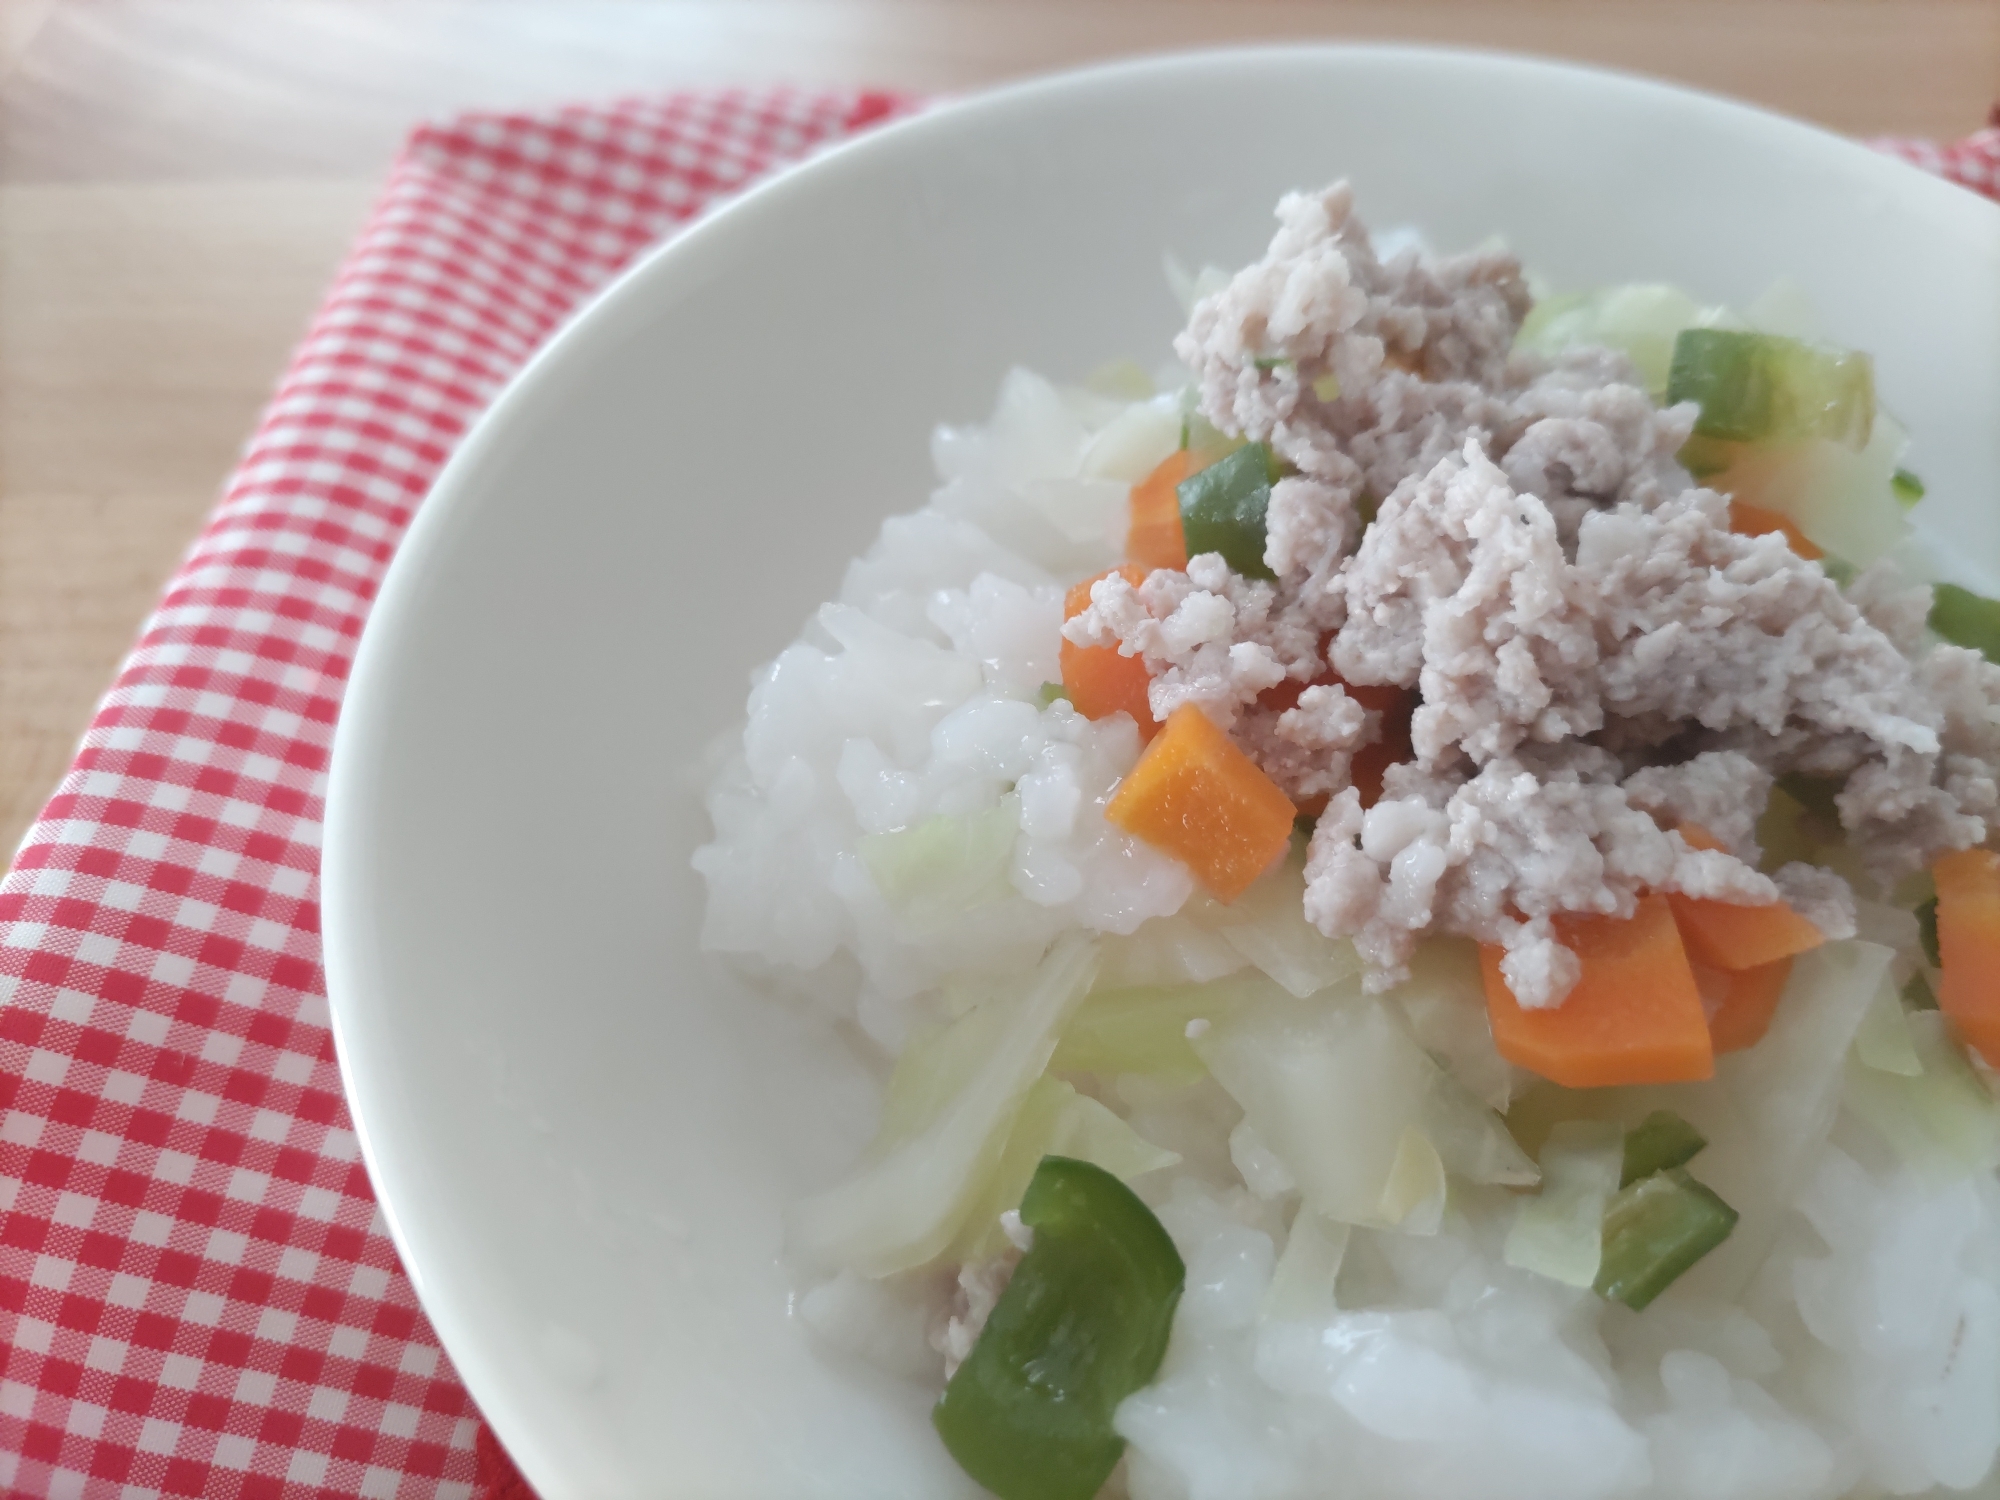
(1422, 890)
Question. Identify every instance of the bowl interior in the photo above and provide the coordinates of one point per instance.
(581, 1129)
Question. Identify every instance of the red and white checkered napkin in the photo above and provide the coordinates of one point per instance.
(197, 1293)
(1973, 162)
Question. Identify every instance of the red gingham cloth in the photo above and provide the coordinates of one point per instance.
(1973, 162)
(197, 1293)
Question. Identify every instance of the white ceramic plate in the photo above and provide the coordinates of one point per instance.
(581, 1131)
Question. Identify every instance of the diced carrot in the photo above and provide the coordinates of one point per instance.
(1725, 935)
(1102, 680)
(1748, 1005)
(1634, 1017)
(1155, 539)
(1968, 931)
(1195, 796)
(1755, 520)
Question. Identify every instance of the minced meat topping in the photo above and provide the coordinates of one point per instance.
(1598, 659)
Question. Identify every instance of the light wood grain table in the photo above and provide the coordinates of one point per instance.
(178, 178)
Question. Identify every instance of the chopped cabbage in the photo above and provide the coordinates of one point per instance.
(1268, 926)
(1641, 320)
(1944, 1120)
(1559, 1233)
(1333, 1085)
(1444, 1000)
(947, 1130)
(1258, 1165)
(1883, 1041)
(939, 867)
(1181, 949)
(1844, 500)
(1133, 443)
(1055, 1120)
(1413, 1196)
(1302, 1282)
(1769, 1109)
(1144, 1029)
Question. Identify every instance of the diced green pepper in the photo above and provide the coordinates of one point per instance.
(1966, 619)
(1653, 1231)
(1759, 387)
(1927, 931)
(1051, 693)
(1660, 1141)
(1082, 1325)
(1222, 509)
(1907, 488)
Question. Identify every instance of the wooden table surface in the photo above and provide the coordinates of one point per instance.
(178, 178)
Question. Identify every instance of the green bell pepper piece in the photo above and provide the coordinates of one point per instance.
(1653, 1231)
(1082, 1325)
(1660, 1141)
(1222, 508)
(1758, 387)
(1966, 619)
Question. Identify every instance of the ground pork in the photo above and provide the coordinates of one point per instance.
(1460, 589)
(1721, 791)
(1597, 657)
(1496, 856)
(956, 1326)
(1355, 371)
(1209, 636)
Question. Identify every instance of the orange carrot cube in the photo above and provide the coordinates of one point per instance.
(1634, 1017)
(1756, 520)
(1748, 1006)
(1155, 539)
(1725, 935)
(1194, 795)
(1102, 680)
(1968, 931)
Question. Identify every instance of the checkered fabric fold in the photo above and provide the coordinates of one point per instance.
(197, 1292)
(1973, 162)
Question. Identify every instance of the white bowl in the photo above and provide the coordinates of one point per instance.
(582, 1131)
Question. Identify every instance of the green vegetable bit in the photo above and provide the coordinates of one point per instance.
(1760, 387)
(1082, 1325)
(1052, 692)
(1907, 488)
(1661, 1141)
(1222, 509)
(1966, 619)
(1653, 1231)
(1927, 931)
